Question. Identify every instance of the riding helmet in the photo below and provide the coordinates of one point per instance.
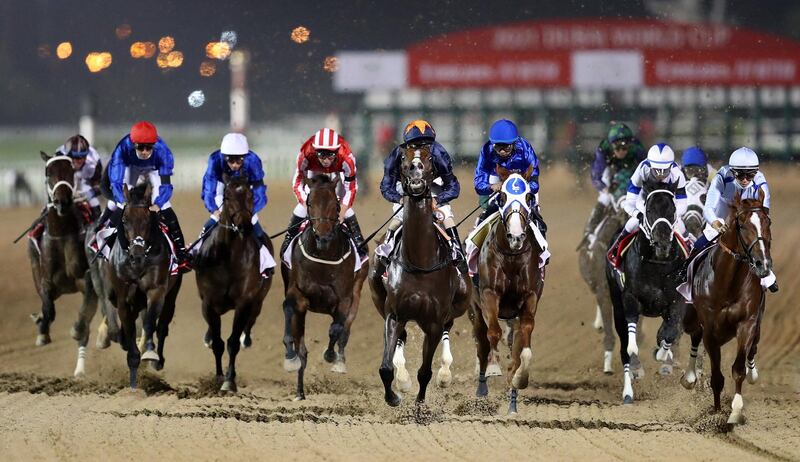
(234, 144)
(694, 156)
(619, 131)
(661, 155)
(743, 159)
(503, 131)
(144, 132)
(418, 129)
(326, 139)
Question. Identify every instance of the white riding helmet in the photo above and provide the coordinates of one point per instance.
(326, 139)
(234, 144)
(743, 159)
(661, 155)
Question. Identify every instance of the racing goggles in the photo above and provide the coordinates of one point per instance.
(325, 154)
(234, 159)
(503, 149)
(144, 146)
(660, 173)
(621, 145)
(744, 174)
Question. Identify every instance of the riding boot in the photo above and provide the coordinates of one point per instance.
(263, 239)
(291, 232)
(169, 218)
(103, 218)
(612, 251)
(460, 259)
(595, 218)
(358, 239)
(537, 217)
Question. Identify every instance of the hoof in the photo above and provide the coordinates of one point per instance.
(207, 339)
(291, 364)
(329, 356)
(736, 419)
(228, 386)
(627, 400)
(403, 380)
(42, 339)
(299, 398)
(638, 373)
(150, 355)
(393, 400)
(156, 365)
(598, 320)
(686, 383)
(665, 369)
(245, 340)
(752, 375)
(483, 389)
(444, 378)
(339, 367)
(77, 331)
(493, 370)
(102, 342)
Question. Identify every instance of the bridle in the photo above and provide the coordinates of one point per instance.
(648, 227)
(137, 241)
(51, 190)
(746, 256)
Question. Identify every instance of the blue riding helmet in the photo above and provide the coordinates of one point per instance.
(694, 156)
(503, 131)
(418, 129)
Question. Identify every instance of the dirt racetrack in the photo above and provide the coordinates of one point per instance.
(570, 411)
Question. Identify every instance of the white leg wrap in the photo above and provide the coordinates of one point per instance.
(633, 348)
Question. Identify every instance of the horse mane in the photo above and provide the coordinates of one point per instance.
(136, 195)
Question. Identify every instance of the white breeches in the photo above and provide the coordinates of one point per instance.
(300, 210)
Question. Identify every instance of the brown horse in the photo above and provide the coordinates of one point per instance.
(729, 300)
(422, 285)
(58, 262)
(139, 274)
(321, 280)
(228, 276)
(511, 284)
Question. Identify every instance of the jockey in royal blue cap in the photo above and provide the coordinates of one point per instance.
(234, 158)
(742, 176)
(660, 165)
(694, 165)
(506, 149)
(417, 134)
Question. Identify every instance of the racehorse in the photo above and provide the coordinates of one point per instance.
(58, 262)
(140, 278)
(321, 280)
(228, 274)
(647, 284)
(728, 300)
(511, 284)
(422, 284)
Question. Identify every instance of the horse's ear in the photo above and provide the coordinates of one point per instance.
(44, 155)
(737, 199)
(529, 199)
(148, 189)
(125, 193)
(502, 172)
(528, 173)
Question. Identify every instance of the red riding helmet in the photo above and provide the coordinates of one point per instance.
(144, 132)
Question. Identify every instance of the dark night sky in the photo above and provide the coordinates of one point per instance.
(284, 77)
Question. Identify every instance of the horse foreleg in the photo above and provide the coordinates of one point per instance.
(522, 353)
(399, 362)
(215, 333)
(689, 379)
(444, 377)
(745, 336)
(621, 326)
(424, 373)
(155, 305)
(128, 321)
(479, 331)
(490, 308)
(607, 313)
(667, 334)
(340, 365)
(47, 316)
(717, 379)
(631, 310)
(291, 362)
(85, 316)
(298, 334)
(386, 371)
(334, 332)
(240, 320)
(752, 372)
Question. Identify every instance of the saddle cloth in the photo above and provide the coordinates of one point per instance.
(616, 258)
(265, 259)
(286, 258)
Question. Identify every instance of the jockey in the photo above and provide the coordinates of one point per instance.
(234, 158)
(326, 153)
(694, 165)
(619, 152)
(88, 170)
(507, 149)
(660, 165)
(742, 176)
(142, 154)
(417, 134)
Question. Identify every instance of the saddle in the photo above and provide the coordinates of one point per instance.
(286, 258)
(685, 288)
(615, 255)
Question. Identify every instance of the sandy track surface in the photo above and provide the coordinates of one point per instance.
(570, 411)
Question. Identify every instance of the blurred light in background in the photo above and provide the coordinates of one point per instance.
(123, 31)
(229, 37)
(208, 68)
(196, 98)
(174, 59)
(218, 50)
(97, 61)
(161, 61)
(138, 50)
(331, 64)
(149, 49)
(43, 51)
(64, 50)
(166, 44)
(300, 34)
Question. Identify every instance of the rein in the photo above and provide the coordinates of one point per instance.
(322, 260)
(745, 257)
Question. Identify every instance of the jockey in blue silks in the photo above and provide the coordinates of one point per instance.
(445, 188)
(234, 158)
(507, 149)
(742, 176)
(143, 156)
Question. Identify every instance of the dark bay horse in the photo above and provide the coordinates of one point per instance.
(228, 274)
(321, 280)
(58, 262)
(511, 285)
(648, 280)
(422, 286)
(139, 275)
(728, 300)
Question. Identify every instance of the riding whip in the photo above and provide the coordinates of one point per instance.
(285, 230)
(369, 238)
(475, 210)
(33, 225)
(202, 236)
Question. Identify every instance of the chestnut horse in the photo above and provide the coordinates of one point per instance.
(422, 286)
(511, 284)
(58, 262)
(728, 300)
(228, 277)
(140, 278)
(321, 280)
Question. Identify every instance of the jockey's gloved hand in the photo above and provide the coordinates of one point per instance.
(719, 226)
